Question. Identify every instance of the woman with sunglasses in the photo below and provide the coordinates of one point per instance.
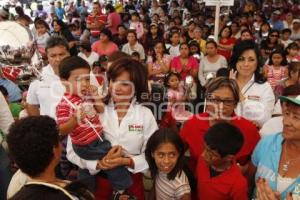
(270, 44)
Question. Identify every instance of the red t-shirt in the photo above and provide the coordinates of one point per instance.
(226, 53)
(191, 65)
(194, 129)
(83, 133)
(230, 184)
(92, 19)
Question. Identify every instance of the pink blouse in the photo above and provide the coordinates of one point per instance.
(191, 65)
(96, 47)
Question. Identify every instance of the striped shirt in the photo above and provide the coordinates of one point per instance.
(275, 75)
(84, 133)
(166, 189)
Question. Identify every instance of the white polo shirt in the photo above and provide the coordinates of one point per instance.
(259, 103)
(132, 134)
(46, 92)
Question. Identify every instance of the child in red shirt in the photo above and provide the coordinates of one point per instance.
(77, 115)
(218, 175)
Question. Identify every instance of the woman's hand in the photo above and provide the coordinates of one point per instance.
(264, 191)
(232, 74)
(113, 158)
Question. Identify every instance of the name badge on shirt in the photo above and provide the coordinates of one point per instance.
(254, 97)
(135, 128)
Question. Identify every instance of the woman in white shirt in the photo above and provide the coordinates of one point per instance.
(133, 45)
(86, 52)
(256, 95)
(126, 123)
(211, 63)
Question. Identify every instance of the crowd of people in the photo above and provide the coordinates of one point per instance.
(142, 90)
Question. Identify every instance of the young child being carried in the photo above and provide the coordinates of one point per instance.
(78, 115)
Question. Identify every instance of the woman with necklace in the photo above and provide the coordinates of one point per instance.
(256, 95)
(276, 159)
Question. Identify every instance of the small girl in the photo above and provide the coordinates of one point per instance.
(174, 45)
(176, 97)
(276, 69)
(137, 25)
(165, 156)
(292, 52)
(42, 34)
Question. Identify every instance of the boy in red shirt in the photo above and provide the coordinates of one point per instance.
(78, 115)
(218, 175)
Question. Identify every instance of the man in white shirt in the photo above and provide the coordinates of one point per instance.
(133, 45)
(44, 94)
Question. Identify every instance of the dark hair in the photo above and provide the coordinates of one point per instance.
(3, 90)
(239, 49)
(108, 33)
(42, 22)
(292, 90)
(293, 67)
(70, 64)
(270, 33)
(169, 75)
(247, 30)
(281, 52)
(260, 29)
(121, 25)
(220, 82)
(60, 23)
(54, 41)
(86, 45)
(110, 8)
(222, 72)
(225, 138)
(211, 42)
(137, 73)
(31, 141)
(230, 31)
(165, 51)
(133, 32)
(135, 54)
(164, 136)
(286, 30)
(292, 45)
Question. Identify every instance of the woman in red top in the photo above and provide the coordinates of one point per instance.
(184, 64)
(226, 42)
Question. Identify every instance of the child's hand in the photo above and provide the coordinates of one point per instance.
(80, 114)
(93, 91)
(232, 74)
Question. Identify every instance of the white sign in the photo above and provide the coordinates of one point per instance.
(220, 2)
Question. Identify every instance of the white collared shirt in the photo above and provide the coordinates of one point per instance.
(259, 103)
(132, 134)
(137, 47)
(6, 118)
(46, 92)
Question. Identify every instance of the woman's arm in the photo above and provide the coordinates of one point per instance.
(186, 196)
(226, 47)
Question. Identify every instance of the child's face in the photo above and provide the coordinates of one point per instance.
(277, 58)
(165, 156)
(131, 38)
(173, 82)
(286, 36)
(78, 82)
(175, 39)
(210, 156)
(193, 49)
(41, 29)
(134, 18)
(293, 52)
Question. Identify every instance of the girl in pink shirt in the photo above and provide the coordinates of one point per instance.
(105, 46)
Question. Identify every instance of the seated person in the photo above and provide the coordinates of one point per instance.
(218, 175)
(38, 160)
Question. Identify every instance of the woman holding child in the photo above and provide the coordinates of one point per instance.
(127, 125)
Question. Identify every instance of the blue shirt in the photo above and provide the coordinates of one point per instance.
(266, 157)
(14, 92)
(60, 13)
(278, 25)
